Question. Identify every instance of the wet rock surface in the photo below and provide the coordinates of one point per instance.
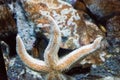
(113, 34)
(106, 11)
(103, 9)
(8, 29)
(18, 71)
(109, 68)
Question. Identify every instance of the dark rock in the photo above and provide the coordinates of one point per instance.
(78, 70)
(18, 71)
(113, 34)
(113, 24)
(100, 71)
(7, 1)
(112, 64)
(40, 45)
(109, 68)
(103, 9)
(8, 29)
(14, 71)
(87, 77)
(3, 74)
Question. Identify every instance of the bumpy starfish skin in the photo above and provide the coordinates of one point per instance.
(52, 65)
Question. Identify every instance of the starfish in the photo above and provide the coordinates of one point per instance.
(52, 65)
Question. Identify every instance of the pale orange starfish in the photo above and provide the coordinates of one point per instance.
(52, 65)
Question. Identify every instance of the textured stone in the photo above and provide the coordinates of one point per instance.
(7, 23)
(103, 9)
(17, 71)
(113, 34)
(109, 68)
(79, 5)
(8, 29)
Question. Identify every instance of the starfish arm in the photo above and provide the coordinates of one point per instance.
(78, 54)
(50, 54)
(35, 64)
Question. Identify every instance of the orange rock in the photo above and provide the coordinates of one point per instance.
(79, 6)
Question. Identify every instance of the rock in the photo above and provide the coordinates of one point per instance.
(65, 16)
(8, 29)
(88, 34)
(5, 52)
(80, 6)
(72, 2)
(3, 73)
(103, 9)
(113, 34)
(109, 78)
(109, 68)
(25, 27)
(18, 71)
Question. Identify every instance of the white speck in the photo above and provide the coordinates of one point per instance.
(12, 61)
(76, 43)
(66, 32)
(94, 66)
(65, 11)
(102, 56)
(77, 17)
(70, 21)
